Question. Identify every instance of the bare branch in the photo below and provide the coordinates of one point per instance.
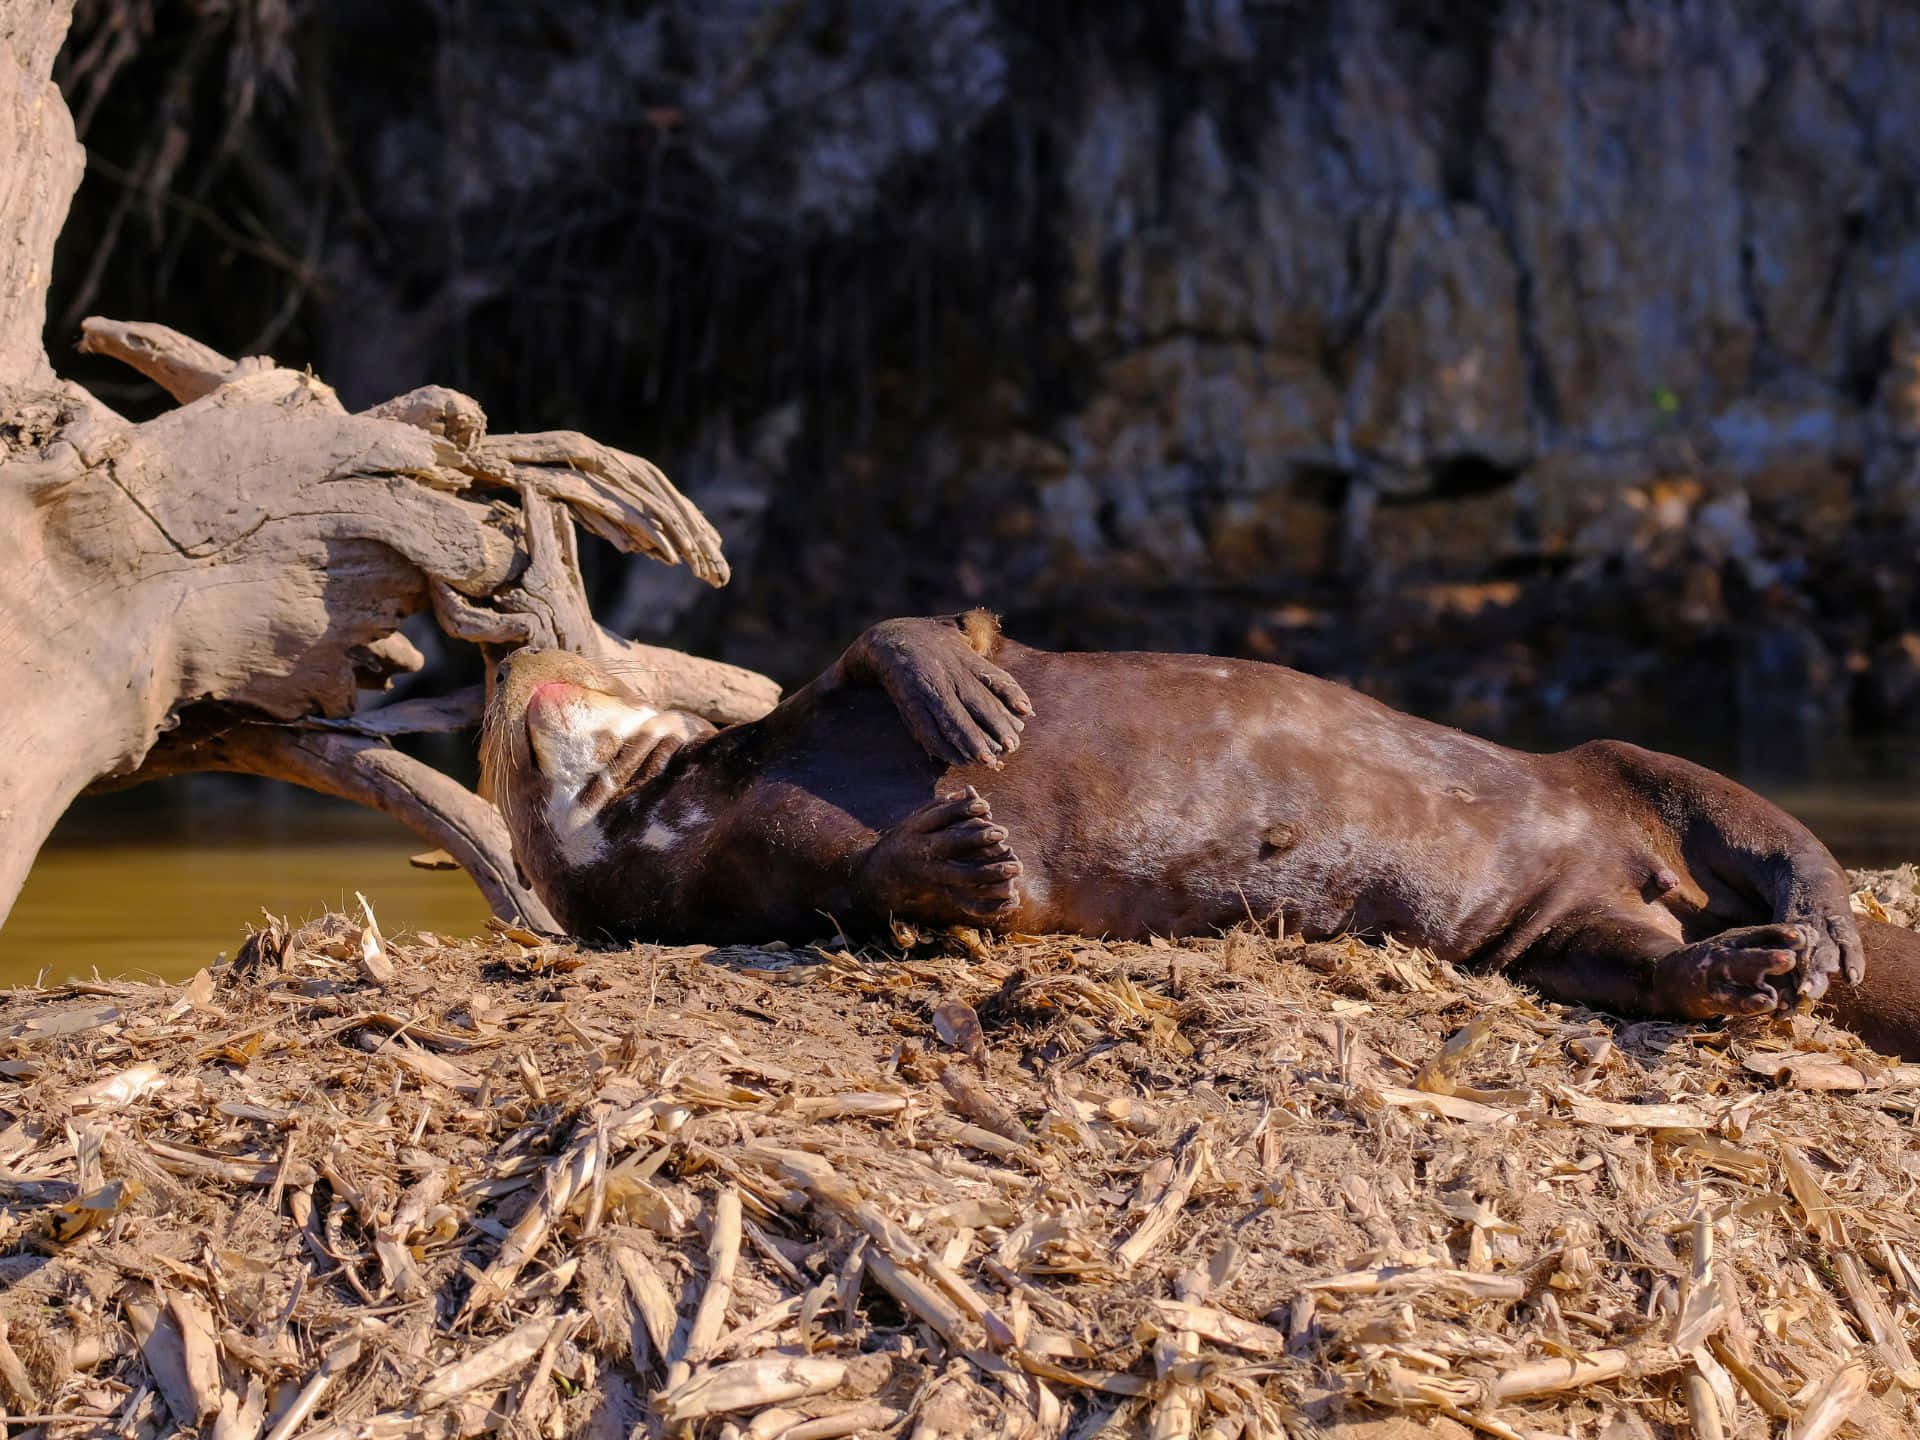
(438, 411)
(369, 772)
(620, 497)
(184, 368)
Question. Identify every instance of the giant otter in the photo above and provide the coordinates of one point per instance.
(1174, 795)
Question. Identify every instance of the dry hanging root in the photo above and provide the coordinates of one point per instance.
(792, 1194)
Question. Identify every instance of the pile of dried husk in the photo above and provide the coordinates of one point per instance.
(349, 1186)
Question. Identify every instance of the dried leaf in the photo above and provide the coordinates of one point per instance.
(958, 1026)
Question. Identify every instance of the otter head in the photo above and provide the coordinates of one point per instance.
(562, 737)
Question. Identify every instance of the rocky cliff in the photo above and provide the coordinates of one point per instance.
(1548, 367)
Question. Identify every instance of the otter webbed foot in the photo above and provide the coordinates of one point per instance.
(1745, 971)
(945, 864)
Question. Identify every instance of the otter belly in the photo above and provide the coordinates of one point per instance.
(1175, 795)
(1170, 794)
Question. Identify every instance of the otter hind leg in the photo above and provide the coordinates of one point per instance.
(1631, 967)
(948, 863)
(1755, 861)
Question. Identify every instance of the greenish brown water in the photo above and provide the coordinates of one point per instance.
(129, 889)
(137, 892)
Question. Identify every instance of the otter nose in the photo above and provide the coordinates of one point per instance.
(549, 701)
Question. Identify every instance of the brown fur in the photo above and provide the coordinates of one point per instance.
(505, 750)
(1174, 794)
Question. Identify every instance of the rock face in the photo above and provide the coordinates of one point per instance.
(1536, 365)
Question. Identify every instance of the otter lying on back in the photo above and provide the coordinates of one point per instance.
(567, 750)
(1174, 795)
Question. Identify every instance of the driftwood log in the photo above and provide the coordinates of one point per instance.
(213, 589)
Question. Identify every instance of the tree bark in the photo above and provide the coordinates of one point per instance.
(367, 771)
(207, 589)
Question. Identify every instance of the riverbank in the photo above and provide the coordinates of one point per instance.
(153, 886)
(351, 1186)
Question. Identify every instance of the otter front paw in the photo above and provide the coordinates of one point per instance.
(945, 864)
(1734, 972)
(1834, 950)
(959, 706)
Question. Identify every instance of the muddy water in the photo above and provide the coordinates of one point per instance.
(164, 889)
(143, 893)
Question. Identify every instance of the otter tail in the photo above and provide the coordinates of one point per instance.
(1884, 1009)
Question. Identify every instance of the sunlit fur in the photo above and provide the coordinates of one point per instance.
(550, 786)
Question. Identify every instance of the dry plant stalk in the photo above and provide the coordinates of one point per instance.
(504, 1357)
(251, 1201)
(723, 1253)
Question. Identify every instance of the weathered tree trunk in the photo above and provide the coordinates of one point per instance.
(210, 590)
